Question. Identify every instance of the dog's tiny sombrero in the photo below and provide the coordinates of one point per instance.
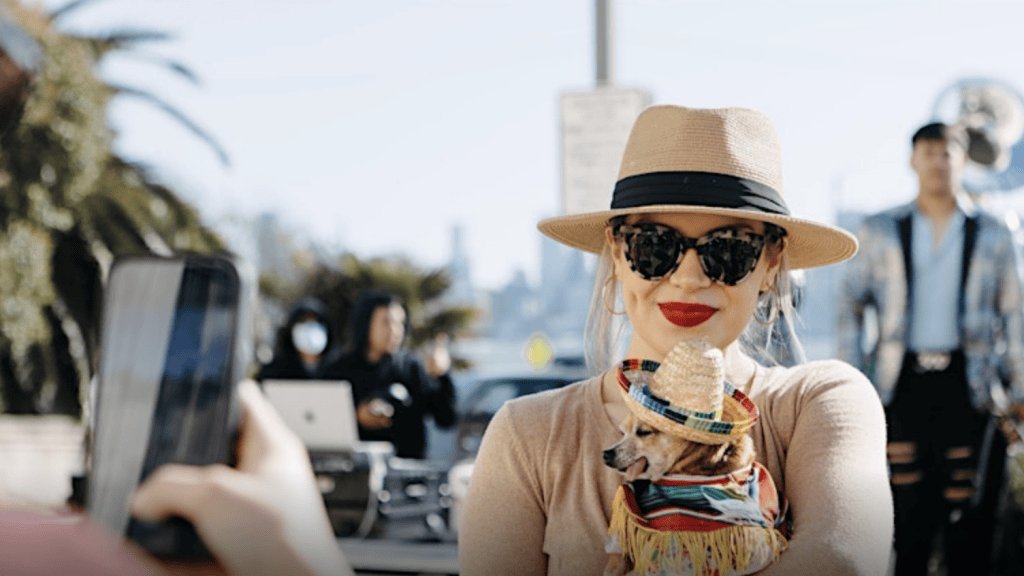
(687, 395)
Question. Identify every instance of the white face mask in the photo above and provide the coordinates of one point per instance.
(309, 337)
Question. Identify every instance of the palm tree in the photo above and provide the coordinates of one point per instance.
(68, 207)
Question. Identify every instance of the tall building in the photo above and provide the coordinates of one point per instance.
(515, 310)
(461, 291)
(566, 283)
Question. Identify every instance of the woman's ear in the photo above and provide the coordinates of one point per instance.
(769, 279)
(616, 254)
(774, 264)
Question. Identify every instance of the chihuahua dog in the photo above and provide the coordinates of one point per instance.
(694, 500)
(647, 453)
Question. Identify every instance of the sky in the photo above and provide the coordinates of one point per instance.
(375, 126)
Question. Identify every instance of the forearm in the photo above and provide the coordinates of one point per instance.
(443, 401)
(1013, 357)
(311, 539)
(1011, 307)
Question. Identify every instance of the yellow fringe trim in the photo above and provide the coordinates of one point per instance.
(715, 552)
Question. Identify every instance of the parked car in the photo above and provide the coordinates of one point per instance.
(488, 395)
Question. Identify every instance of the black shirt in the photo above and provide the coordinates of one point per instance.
(423, 395)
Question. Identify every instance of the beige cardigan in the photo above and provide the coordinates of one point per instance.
(540, 496)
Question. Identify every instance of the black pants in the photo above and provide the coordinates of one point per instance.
(935, 441)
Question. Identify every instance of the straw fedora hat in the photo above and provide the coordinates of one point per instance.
(724, 162)
(687, 395)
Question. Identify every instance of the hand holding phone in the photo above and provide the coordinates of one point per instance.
(174, 342)
(264, 516)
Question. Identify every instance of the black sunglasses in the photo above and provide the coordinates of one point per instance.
(727, 255)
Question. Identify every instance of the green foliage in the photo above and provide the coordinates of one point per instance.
(422, 291)
(68, 207)
(275, 287)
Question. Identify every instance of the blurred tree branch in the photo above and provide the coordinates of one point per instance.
(68, 207)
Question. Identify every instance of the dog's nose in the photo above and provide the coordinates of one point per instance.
(609, 457)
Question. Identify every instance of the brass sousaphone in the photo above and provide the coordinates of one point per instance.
(992, 113)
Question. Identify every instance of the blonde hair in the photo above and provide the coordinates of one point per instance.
(604, 331)
(770, 337)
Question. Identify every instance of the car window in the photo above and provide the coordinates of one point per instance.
(493, 395)
(542, 385)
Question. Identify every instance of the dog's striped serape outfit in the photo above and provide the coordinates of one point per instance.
(704, 525)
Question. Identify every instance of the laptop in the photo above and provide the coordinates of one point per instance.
(320, 412)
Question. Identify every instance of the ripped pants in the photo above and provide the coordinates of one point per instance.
(935, 440)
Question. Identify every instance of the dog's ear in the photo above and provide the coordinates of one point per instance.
(729, 456)
(720, 457)
(740, 453)
(628, 423)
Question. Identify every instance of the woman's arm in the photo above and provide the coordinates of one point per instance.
(836, 478)
(502, 528)
(439, 398)
(439, 390)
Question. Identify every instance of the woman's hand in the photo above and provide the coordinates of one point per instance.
(439, 361)
(264, 517)
(374, 414)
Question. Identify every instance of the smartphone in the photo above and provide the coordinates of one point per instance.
(175, 339)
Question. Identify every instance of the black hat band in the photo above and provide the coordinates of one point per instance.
(697, 189)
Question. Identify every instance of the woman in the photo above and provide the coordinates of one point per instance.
(305, 345)
(392, 391)
(540, 497)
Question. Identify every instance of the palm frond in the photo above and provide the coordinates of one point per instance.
(64, 10)
(130, 36)
(177, 115)
(174, 66)
(90, 205)
(124, 40)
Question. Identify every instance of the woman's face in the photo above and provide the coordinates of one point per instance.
(387, 329)
(686, 303)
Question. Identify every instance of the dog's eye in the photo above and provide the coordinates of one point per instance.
(641, 432)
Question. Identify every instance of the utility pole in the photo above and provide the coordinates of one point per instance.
(602, 44)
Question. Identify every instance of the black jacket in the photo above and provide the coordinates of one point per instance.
(424, 396)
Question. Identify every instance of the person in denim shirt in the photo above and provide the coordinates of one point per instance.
(944, 279)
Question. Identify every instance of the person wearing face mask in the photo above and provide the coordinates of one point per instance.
(393, 391)
(305, 345)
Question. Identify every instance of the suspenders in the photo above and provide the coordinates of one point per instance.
(970, 236)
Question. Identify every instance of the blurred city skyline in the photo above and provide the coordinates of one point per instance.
(375, 127)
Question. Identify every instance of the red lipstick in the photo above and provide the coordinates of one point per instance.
(686, 314)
